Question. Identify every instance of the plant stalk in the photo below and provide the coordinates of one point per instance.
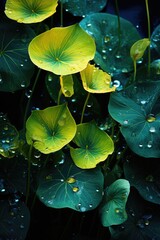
(84, 106)
(149, 35)
(29, 174)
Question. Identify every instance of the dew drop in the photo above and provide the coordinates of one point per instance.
(125, 122)
(97, 190)
(75, 189)
(28, 93)
(83, 209)
(61, 122)
(23, 84)
(140, 145)
(22, 226)
(116, 83)
(71, 180)
(22, 65)
(152, 130)
(149, 144)
(90, 205)
(151, 118)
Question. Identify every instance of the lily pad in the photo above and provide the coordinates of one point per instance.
(112, 44)
(93, 146)
(137, 110)
(67, 186)
(95, 80)
(31, 11)
(50, 129)
(62, 50)
(155, 39)
(145, 177)
(112, 210)
(14, 219)
(142, 223)
(83, 7)
(16, 69)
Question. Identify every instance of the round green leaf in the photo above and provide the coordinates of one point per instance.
(62, 50)
(145, 177)
(30, 11)
(16, 69)
(95, 80)
(83, 7)
(50, 129)
(112, 53)
(155, 39)
(94, 146)
(113, 207)
(137, 110)
(67, 186)
(138, 48)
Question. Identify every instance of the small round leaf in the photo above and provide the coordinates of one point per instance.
(95, 80)
(50, 129)
(94, 146)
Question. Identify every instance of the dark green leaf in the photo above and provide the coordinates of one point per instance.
(137, 110)
(67, 186)
(16, 69)
(112, 44)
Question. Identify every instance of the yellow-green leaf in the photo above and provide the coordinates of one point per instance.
(66, 83)
(138, 48)
(62, 50)
(30, 11)
(93, 146)
(95, 80)
(50, 129)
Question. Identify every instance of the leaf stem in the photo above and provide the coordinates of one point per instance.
(61, 14)
(59, 96)
(29, 173)
(135, 70)
(29, 100)
(84, 106)
(149, 35)
(119, 23)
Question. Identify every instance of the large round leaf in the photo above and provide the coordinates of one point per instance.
(113, 207)
(94, 146)
(95, 80)
(67, 186)
(50, 129)
(62, 50)
(142, 223)
(83, 7)
(112, 53)
(137, 110)
(145, 177)
(30, 11)
(16, 69)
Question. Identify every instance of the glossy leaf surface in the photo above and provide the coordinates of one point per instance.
(16, 69)
(138, 48)
(67, 186)
(137, 110)
(112, 50)
(66, 83)
(93, 146)
(95, 80)
(113, 207)
(50, 129)
(62, 50)
(30, 11)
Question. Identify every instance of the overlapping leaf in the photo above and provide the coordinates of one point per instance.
(95, 80)
(50, 129)
(16, 69)
(137, 110)
(112, 51)
(113, 207)
(62, 50)
(67, 186)
(93, 146)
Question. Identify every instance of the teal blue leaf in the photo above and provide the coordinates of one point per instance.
(137, 110)
(112, 52)
(142, 223)
(144, 175)
(83, 7)
(67, 186)
(16, 69)
(14, 219)
(113, 210)
(155, 39)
